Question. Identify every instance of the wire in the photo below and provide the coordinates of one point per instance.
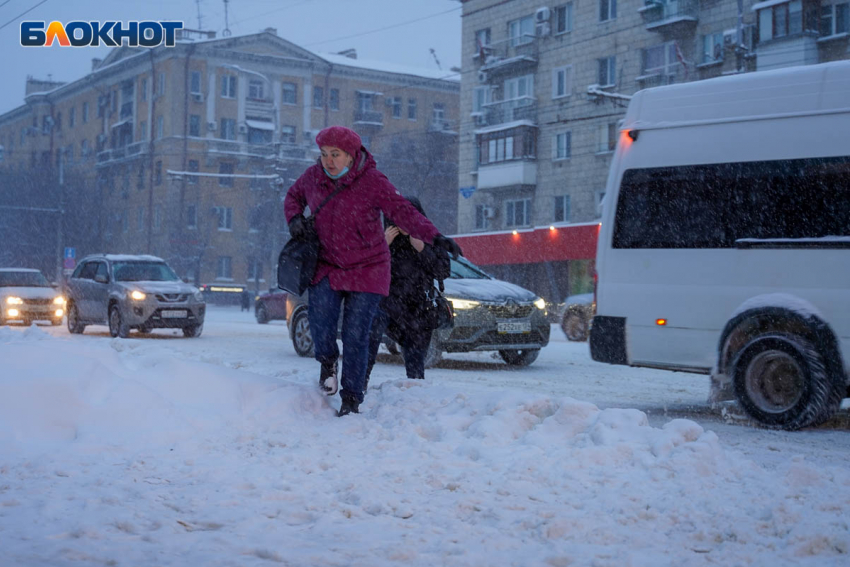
(23, 14)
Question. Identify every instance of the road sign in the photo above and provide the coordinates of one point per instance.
(467, 192)
(70, 253)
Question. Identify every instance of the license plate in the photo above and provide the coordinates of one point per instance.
(513, 326)
(173, 314)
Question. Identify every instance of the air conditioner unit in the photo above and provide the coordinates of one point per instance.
(243, 128)
(482, 76)
(730, 37)
(542, 15)
(211, 126)
(479, 118)
(541, 30)
(198, 97)
(489, 212)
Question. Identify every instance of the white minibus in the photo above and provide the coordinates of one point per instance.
(725, 240)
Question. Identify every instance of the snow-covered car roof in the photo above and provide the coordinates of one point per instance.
(18, 270)
(127, 257)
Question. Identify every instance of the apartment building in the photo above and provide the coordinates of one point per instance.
(186, 152)
(543, 89)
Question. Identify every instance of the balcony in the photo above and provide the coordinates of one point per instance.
(509, 56)
(505, 111)
(236, 149)
(369, 118)
(670, 16)
(441, 126)
(121, 153)
(507, 174)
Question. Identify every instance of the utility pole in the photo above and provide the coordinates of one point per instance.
(226, 32)
(739, 36)
(198, 4)
(60, 256)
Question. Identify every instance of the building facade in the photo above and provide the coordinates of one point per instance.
(186, 152)
(545, 85)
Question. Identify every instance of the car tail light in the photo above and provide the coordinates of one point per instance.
(595, 277)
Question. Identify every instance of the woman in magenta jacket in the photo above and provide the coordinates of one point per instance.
(353, 271)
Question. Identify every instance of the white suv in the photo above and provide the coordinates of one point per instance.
(132, 292)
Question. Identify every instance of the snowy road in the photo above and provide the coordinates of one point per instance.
(160, 450)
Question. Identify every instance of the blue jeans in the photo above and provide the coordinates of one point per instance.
(357, 314)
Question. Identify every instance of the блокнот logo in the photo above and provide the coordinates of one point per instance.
(112, 34)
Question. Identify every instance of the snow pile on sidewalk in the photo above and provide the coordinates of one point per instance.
(116, 455)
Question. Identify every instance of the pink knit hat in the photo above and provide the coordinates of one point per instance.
(340, 137)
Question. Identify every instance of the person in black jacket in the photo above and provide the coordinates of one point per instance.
(407, 315)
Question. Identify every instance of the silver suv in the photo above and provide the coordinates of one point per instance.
(132, 292)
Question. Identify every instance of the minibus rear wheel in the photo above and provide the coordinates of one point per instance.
(782, 382)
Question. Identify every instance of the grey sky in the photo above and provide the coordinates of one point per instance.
(317, 25)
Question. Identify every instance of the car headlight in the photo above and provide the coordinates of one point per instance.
(199, 296)
(463, 303)
(59, 300)
(14, 301)
(137, 295)
(540, 303)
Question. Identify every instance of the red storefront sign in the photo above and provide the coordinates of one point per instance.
(530, 246)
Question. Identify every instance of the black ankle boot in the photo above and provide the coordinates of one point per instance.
(348, 406)
(328, 381)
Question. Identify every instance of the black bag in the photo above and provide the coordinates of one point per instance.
(296, 264)
(442, 313)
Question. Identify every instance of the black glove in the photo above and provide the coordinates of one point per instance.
(299, 227)
(448, 245)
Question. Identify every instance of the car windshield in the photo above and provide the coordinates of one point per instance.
(464, 269)
(143, 272)
(23, 279)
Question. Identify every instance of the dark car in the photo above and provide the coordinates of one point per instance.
(26, 296)
(490, 315)
(270, 306)
(132, 292)
(577, 316)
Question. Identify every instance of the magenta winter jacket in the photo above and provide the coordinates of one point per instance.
(354, 253)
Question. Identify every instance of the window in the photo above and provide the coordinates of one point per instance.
(225, 218)
(712, 48)
(287, 134)
(411, 109)
(562, 147)
(160, 84)
(521, 31)
(395, 102)
(438, 114)
(256, 182)
(607, 137)
(607, 71)
(85, 112)
(835, 19)
(255, 89)
(255, 269)
(781, 20)
(482, 41)
(160, 127)
(223, 270)
(318, 97)
(191, 216)
(140, 177)
(564, 18)
(72, 116)
(195, 125)
(195, 82)
(520, 90)
(364, 101)
(290, 93)
(225, 169)
(157, 218)
(260, 135)
(157, 174)
(482, 217)
(140, 219)
(144, 89)
(481, 97)
(504, 145)
(228, 86)
(518, 212)
(333, 100)
(562, 208)
(228, 129)
(143, 130)
(607, 10)
(787, 199)
(194, 166)
(562, 81)
(660, 61)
